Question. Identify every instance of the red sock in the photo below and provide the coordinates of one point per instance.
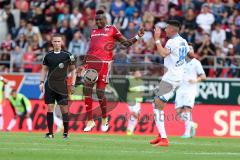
(88, 103)
(103, 105)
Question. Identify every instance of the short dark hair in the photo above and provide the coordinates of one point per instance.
(99, 12)
(57, 35)
(175, 23)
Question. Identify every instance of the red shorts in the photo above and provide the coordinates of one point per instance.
(103, 69)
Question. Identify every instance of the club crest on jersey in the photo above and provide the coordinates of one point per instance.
(106, 29)
(61, 65)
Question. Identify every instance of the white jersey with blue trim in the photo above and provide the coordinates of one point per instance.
(174, 62)
(192, 70)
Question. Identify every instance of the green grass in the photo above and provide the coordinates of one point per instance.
(32, 146)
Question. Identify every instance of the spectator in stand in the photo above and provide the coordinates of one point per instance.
(159, 8)
(75, 18)
(205, 49)
(39, 18)
(218, 35)
(23, 6)
(16, 57)
(136, 19)
(205, 19)
(65, 30)
(22, 42)
(187, 4)
(22, 28)
(48, 24)
(233, 30)
(10, 21)
(131, 30)
(189, 35)
(31, 30)
(64, 16)
(236, 45)
(189, 21)
(148, 26)
(145, 6)
(218, 10)
(121, 21)
(173, 15)
(88, 14)
(117, 6)
(131, 8)
(77, 45)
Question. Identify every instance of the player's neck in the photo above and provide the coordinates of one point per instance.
(175, 35)
(56, 51)
(101, 27)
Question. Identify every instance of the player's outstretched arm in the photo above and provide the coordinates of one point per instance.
(128, 42)
(164, 52)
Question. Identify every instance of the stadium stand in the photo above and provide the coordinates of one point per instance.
(213, 26)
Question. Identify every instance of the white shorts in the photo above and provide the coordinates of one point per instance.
(135, 108)
(166, 90)
(184, 99)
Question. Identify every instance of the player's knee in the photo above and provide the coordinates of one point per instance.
(50, 108)
(100, 93)
(64, 108)
(159, 104)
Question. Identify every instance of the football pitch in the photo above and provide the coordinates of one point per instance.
(32, 146)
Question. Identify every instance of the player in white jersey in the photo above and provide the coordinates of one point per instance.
(174, 55)
(185, 95)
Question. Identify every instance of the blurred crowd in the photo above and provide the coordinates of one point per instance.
(212, 26)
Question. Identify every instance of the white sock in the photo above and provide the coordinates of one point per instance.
(11, 124)
(159, 120)
(29, 124)
(1, 122)
(58, 122)
(132, 123)
(186, 117)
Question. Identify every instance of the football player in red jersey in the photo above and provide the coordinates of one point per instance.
(99, 58)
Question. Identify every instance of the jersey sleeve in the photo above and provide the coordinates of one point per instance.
(45, 62)
(116, 33)
(199, 68)
(169, 46)
(72, 59)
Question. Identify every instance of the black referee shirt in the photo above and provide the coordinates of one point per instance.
(58, 64)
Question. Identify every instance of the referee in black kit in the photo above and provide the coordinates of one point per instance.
(56, 65)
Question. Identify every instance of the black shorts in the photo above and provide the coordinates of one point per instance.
(56, 91)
